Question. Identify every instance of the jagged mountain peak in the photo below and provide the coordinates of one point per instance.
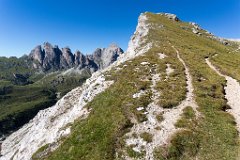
(105, 56)
(47, 44)
(48, 57)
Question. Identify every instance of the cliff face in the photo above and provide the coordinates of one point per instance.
(48, 57)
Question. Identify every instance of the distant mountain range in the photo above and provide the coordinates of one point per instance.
(48, 57)
(36, 81)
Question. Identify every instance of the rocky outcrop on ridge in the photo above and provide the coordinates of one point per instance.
(170, 16)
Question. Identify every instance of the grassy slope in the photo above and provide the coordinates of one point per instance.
(19, 104)
(101, 135)
(228, 63)
(214, 136)
(13, 65)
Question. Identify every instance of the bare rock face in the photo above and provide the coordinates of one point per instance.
(50, 57)
(79, 59)
(97, 54)
(38, 55)
(106, 56)
(110, 55)
(67, 58)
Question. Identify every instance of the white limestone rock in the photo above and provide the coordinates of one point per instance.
(51, 124)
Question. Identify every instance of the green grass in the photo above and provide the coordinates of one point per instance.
(101, 135)
(186, 118)
(19, 104)
(146, 137)
(228, 64)
(216, 132)
(184, 145)
(173, 89)
(13, 65)
(134, 154)
(39, 154)
(213, 136)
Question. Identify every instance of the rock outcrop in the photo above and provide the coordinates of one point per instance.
(135, 45)
(48, 57)
(106, 56)
(67, 58)
(196, 28)
(170, 16)
(38, 55)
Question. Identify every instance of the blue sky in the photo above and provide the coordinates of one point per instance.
(88, 24)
